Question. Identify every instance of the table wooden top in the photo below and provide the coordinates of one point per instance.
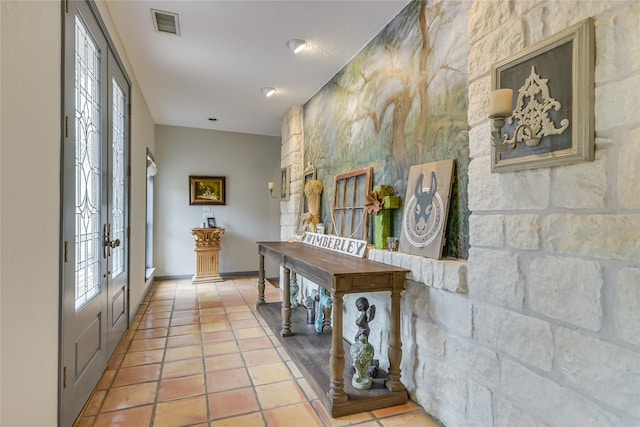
(325, 267)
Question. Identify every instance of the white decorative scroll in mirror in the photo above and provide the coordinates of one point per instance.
(531, 115)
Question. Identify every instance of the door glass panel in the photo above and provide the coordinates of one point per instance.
(87, 200)
(118, 179)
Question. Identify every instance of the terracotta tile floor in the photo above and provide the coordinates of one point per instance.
(199, 355)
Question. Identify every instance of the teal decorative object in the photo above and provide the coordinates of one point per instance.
(323, 310)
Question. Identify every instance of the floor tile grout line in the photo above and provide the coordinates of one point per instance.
(246, 368)
(117, 372)
(204, 357)
(210, 415)
(307, 398)
(154, 407)
(148, 309)
(110, 387)
(281, 359)
(251, 381)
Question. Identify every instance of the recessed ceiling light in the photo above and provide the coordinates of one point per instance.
(268, 91)
(297, 45)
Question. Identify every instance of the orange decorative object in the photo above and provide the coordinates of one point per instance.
(374, 203)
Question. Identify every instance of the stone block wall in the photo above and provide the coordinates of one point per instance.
(292, 156)
(555, 259)
(541, 325)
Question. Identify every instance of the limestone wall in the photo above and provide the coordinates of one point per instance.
(541, 326)
(554, 277)
(292, 146)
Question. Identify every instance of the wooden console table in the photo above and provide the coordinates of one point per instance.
(340, 275)
(207, 248)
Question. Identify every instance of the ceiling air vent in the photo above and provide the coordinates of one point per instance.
(165, 22)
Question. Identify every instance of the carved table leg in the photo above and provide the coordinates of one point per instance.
(336, 361)
(286, 304)
(294, 289)
(395, 344)
(261, 281)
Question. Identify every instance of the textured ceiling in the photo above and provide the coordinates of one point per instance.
(229, 50)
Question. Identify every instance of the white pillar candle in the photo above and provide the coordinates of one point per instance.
(500, 103)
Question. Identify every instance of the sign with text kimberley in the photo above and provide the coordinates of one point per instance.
(343, 245)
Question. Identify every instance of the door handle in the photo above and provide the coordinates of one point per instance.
(107, 242)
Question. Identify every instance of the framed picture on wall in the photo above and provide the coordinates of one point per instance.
(553, 102)
(207, 190)
(285, 183)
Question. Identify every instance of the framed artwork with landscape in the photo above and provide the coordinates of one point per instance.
(207, 190)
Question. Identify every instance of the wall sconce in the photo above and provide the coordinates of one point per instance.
(268, 91)
(532, 114)
(297, 45)
(499, 109)
(271, 186)
(152, 169)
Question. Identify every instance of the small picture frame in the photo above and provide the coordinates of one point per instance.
(564, 65)
(211, 222)
(207, 190)
(285, 183)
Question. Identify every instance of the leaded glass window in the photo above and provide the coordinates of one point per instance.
(118, 179)
(87, 165)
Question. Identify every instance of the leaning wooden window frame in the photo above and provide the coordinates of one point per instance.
(349, 216)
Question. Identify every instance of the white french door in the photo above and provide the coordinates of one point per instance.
(94, 297)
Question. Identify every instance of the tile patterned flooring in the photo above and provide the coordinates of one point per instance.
(199, 355)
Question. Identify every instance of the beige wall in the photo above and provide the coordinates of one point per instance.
(142, 136)
(248, 162)
(30, 189)
(1, 13)
(30, 207)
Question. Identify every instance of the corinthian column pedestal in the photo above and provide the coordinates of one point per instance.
(207, 248)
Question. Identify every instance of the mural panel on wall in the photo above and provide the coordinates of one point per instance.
(401, 101)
